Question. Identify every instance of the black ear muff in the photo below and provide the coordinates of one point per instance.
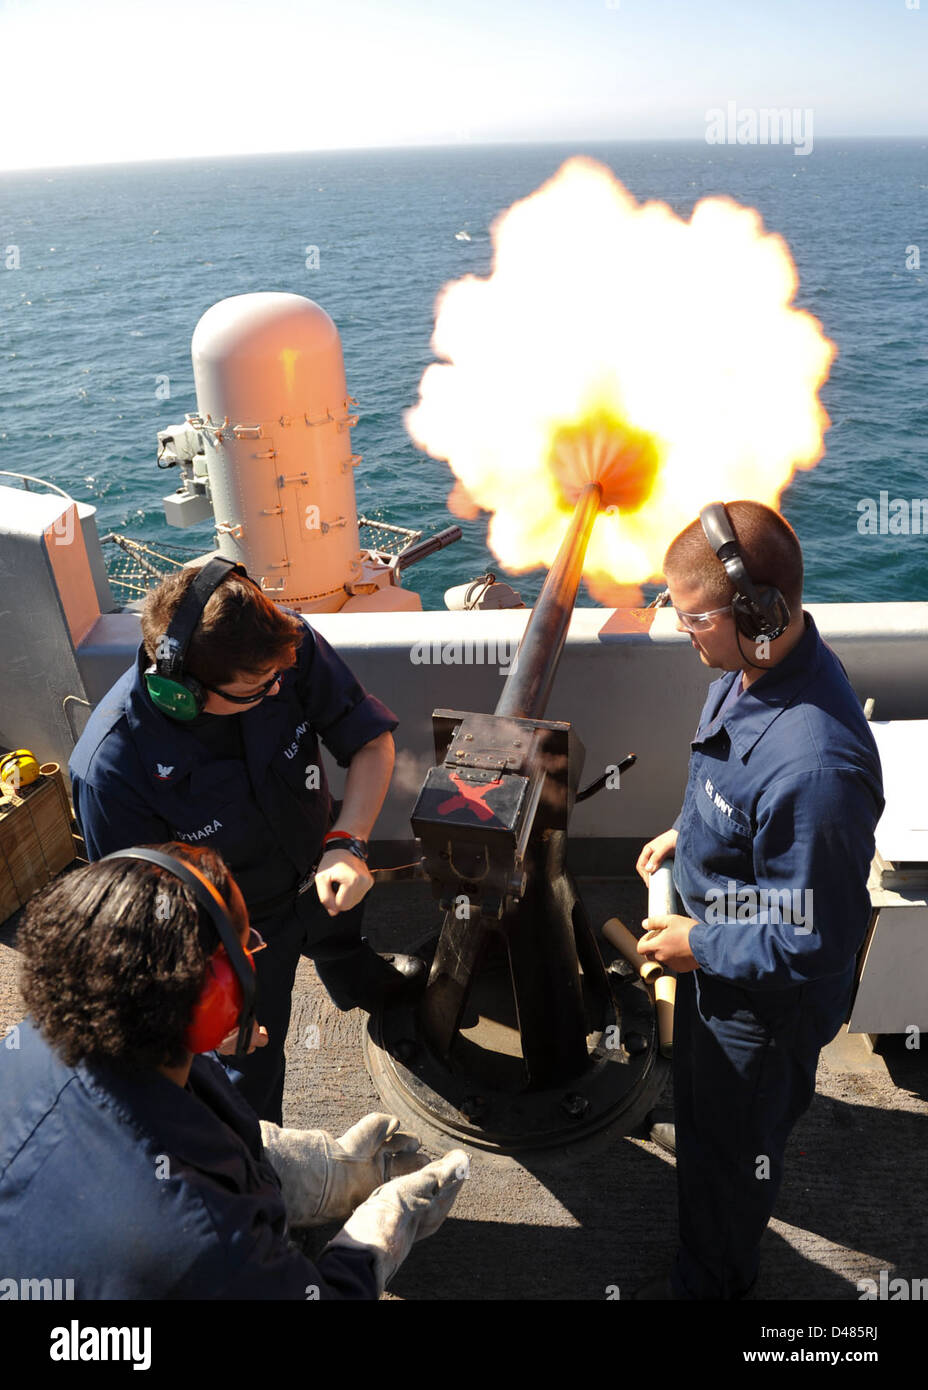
(767, 618)
(760, 610)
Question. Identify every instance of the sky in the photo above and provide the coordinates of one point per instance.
(103, 81)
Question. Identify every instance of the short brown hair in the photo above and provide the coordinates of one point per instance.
(114, 956)
(239, 631)
(769, 547)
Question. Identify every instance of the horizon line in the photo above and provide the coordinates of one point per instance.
(122, 163)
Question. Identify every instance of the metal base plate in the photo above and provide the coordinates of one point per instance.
(479, 1097)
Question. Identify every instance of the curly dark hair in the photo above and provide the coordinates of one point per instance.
(114, 956)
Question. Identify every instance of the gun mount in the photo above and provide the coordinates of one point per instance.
(522, 1037)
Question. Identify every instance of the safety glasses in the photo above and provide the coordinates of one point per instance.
(698, 622)
(255, 943)
(259, 694)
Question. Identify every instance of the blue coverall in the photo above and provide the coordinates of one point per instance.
(784, 794)
(251, 786)
(135, 1187)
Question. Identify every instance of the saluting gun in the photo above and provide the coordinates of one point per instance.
(522, 1037)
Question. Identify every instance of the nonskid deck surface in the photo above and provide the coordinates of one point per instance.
(595, 1223)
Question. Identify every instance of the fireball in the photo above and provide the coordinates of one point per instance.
(616, 342)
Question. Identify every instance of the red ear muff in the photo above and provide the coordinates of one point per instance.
(217, 1011)
(227, 994)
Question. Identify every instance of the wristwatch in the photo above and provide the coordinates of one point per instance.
(340, 839)
(336, 839)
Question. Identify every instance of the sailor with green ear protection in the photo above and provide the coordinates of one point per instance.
(212, 738)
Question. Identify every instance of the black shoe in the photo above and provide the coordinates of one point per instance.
(406, 977)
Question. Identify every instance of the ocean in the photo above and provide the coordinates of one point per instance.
(116, 265)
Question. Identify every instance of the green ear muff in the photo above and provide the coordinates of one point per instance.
(176, 699)
(170, 689)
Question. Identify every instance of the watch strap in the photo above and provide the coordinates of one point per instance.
(340, 839)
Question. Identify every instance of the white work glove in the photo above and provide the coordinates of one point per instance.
(403, 1211)
(323, 1178)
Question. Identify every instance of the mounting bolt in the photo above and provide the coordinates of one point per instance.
(473, 1107)
(575, 1106)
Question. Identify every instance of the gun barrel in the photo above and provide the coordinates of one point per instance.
(529, 684)
(421, 549)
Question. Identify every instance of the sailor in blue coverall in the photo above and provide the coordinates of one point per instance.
(771, 858)
(130, 1165)
(80, 1151)
(251, 786)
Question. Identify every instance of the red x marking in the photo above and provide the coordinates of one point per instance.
(470, 796)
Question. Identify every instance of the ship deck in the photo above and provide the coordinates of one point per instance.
(594, 1222)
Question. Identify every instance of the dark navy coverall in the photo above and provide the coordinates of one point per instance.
(784, 793)
(137, 1188)
(252, 787)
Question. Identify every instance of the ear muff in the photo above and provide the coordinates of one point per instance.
(171, 690)
(180, 699)
(227, 996)
(219, 1006)
(20, 768)
(767, 618)
(760, 610)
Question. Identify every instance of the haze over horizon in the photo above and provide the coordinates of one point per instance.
(124, 82)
